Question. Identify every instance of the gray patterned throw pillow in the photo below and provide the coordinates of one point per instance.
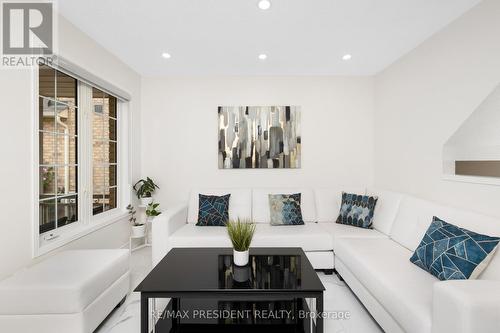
(285, 209)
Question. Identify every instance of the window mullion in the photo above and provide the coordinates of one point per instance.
(85, 130)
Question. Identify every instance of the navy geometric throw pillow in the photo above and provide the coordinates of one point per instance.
(357, 210)
(453, 253)
(213, 210)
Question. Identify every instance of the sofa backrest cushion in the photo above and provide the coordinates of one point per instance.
(415, 215)
(386, 209)
(260, 203)
(329, 200)
(240, 202)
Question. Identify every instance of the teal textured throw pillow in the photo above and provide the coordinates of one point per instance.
(453, 253)
(285, 209)
(357, 210)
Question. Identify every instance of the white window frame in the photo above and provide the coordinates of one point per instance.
(87, 223)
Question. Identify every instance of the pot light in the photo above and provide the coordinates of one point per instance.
(347, 57)
(264, 4)
(262, 56)
(166, 55)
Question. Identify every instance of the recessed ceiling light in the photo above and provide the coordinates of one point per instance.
(166, 55)
(264, 4)
(347, 57)
(262, 56)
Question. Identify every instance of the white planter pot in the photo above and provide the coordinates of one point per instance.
(240, 258)
(146, 201)
(138, 230)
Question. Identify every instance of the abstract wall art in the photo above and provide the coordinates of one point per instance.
(259, 137)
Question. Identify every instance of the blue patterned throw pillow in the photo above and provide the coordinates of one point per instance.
(213, 210)
(357, 210)
(452, 253)
(285, 209)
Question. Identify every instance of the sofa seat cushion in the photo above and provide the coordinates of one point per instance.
(309, 236)
(65, 283)
(191, 235)
(337, 231)
(384, 269)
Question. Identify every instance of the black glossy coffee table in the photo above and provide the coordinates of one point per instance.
(210, 294)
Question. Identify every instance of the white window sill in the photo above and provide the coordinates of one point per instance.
(472, 180)
(80, 232)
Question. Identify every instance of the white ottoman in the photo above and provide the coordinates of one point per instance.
(72, 291)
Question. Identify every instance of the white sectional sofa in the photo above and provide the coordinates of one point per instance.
(373, 262)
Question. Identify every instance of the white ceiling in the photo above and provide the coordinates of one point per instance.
(224, 37)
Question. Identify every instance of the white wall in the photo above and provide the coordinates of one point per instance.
(421, 100)
(15, 149)
(179, 131)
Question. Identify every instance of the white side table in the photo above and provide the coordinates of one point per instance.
(146, 242)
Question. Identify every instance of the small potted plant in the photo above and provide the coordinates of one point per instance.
(151, 210)
(138, 229)
(241, 233)
(144, 190)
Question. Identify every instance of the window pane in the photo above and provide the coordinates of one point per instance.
(66, 121)
(106, 199)
(46, 81)
(98, 126)
(58, 149)
(66, 89)
(98, 189)
(67, 180)
(105, 151)
(111, 129)
(99, 175)
(112, 106)
(47, 149)
(112, 152)
(112, 175)
(47, 215)
(99, 151)
(105, 104)
(98, 205)
(47, 182)
(46, 116)
(66, 150)
(109, 105)
(105, 130)
(67, 210)
(98, 94)
(110, 199)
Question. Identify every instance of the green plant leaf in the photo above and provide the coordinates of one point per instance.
(241, 233)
